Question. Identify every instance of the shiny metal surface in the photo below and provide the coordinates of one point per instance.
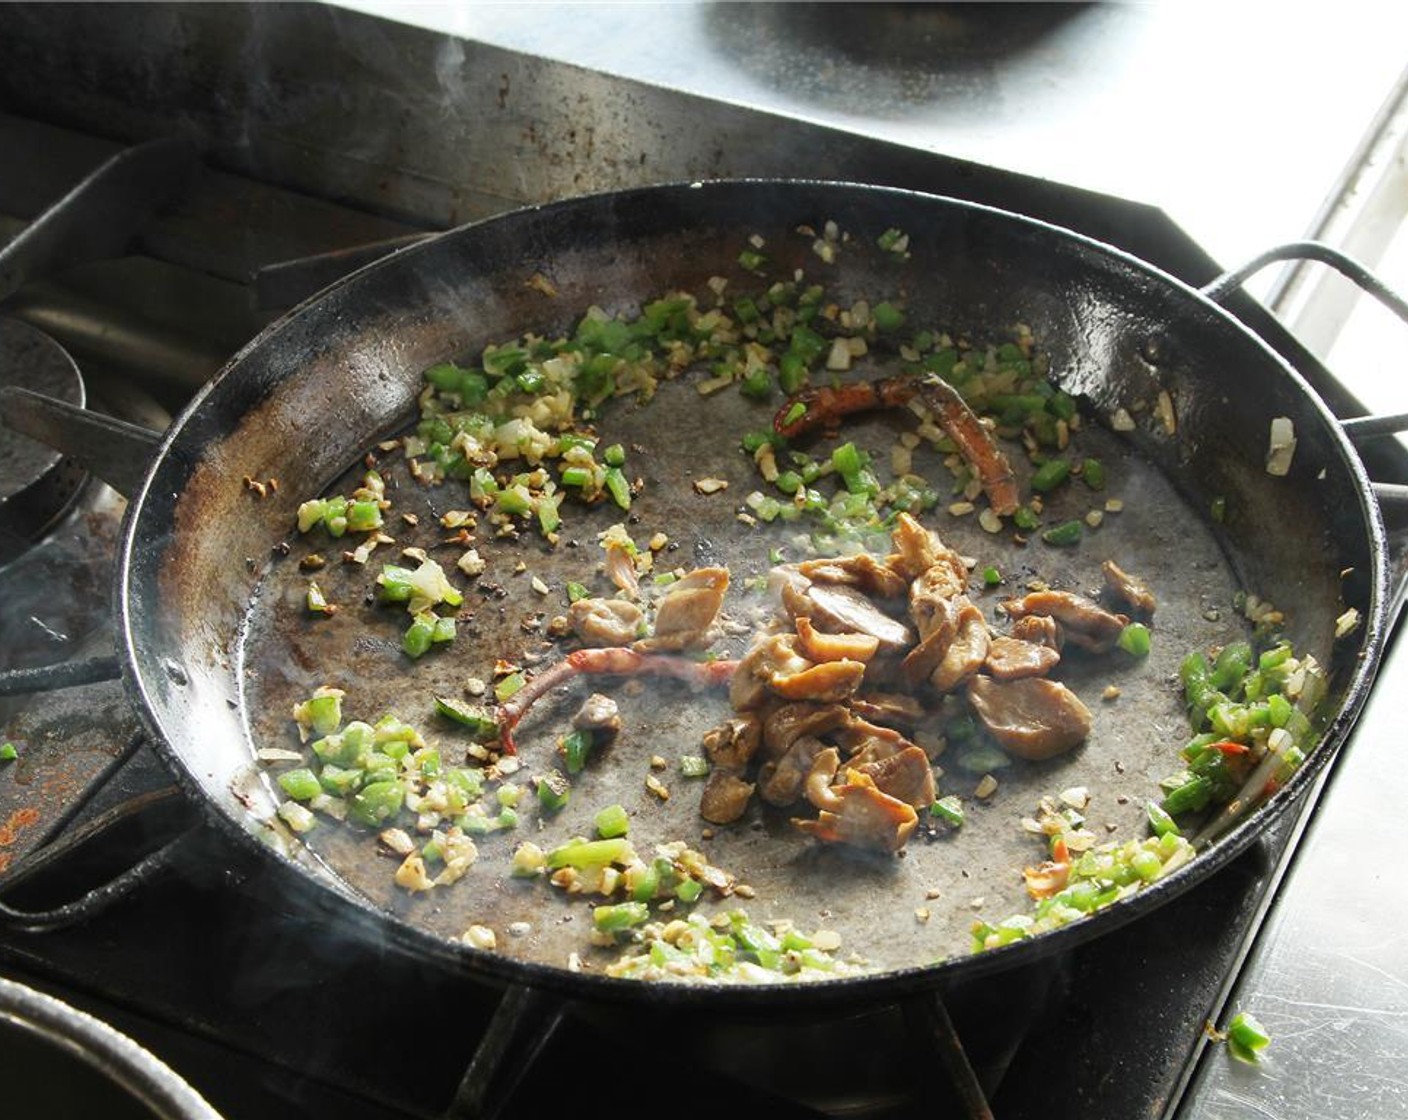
(134, 1074)
(1327, 975)
(1203, 110)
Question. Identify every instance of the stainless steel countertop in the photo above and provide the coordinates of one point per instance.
(1328, 976)
(1235, 118)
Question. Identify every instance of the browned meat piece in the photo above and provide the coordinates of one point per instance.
(621, 569)
(906, 776)
(1032, 718)
(930, 593)
(855, 812)
(734, 742)
(1039, 629)
(605, 622)
(1129, 590)
(725, 797)
(790, 721)
(940, 626)
(893, 709)
(864, 571)
(918, 549)
(828, 681)
(774, 666)
(781, 782)
(1083, 621)
(685, 616)
(1010, 659)
(839, 610)
(816, 646)
(599, 715)
(966, 653)
(770, 655)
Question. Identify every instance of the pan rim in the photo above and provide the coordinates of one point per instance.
(139, 671)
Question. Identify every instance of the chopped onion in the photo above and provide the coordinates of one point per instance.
(296, 816)
(481, 937)
(1281, 447)
(839, 359)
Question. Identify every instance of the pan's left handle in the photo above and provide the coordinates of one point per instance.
(114, 450)
(98, 899)
(94, 863)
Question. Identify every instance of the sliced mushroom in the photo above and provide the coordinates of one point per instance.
(725, 797)
(817, 646)
(1033, 718)
(837, 609)
(863, 571)
(1038, 629)
(788, 722)
(685, 616)
(906, 775)
(771, 654)
(893, 709)
(918, 549)
(1084, 622)
(931, 595)
(781, 782)
(605, 622)
(855, 811)
(864, 741)
(734, 742)
(1128, 589)
(939, 628)
(966, 653)
(828, 681)
(1010, 659)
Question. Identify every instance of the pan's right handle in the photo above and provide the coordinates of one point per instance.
(114, 450)
(1361, 427)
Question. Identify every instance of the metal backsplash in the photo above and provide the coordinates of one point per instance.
(435, 130)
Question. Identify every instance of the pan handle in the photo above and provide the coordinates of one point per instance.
(99, 898)
(1361, 427)
(153, 814)
(114, 450)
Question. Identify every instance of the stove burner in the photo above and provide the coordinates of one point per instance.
(37, 483)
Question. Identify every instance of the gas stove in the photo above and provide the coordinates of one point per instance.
(204, 955)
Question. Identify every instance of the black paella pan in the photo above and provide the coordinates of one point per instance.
(217, 646)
